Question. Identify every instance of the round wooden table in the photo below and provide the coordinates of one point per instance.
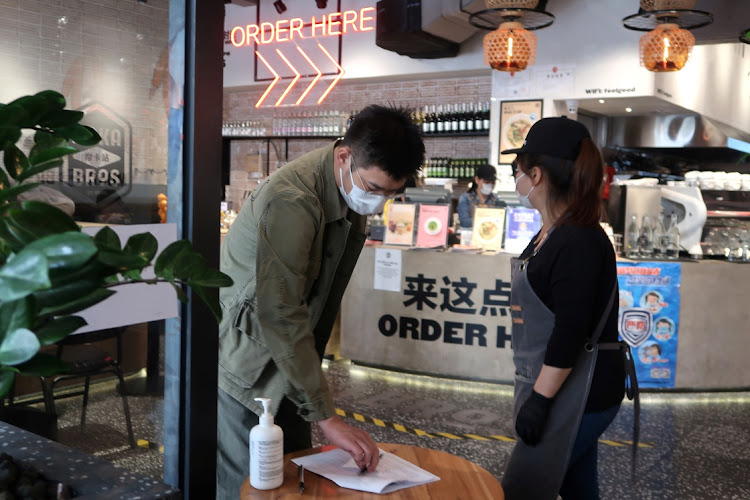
(459, 478)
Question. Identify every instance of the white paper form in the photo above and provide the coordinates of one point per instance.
(393, 472)
(387, 270)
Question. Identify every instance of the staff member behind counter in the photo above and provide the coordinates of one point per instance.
(479, 195)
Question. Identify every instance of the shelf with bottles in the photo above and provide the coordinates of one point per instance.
(454, 120)
(652, 239)
(451, 168)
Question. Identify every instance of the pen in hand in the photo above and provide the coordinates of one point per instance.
(301, 473)
(364, 469)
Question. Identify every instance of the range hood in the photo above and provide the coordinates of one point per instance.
(674, 131)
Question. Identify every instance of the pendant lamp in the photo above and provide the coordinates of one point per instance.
(510, 45)
(666, 48)
(668, 42)
(667, 4)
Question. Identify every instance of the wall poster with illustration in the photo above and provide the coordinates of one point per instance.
(516, 118)
(649, 312)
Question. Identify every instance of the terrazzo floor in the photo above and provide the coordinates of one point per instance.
(697, 446)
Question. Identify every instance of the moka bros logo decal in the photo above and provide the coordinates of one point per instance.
(109, 164)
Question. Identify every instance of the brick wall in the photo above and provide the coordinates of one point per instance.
(239, 105)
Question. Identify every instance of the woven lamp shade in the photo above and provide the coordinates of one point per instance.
(512, 4)
(510, 48)
(667, 4)
(666, 48)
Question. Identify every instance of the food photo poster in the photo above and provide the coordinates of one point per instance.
(487, 232)
(399, 228)
(433, 225)
(516, 118)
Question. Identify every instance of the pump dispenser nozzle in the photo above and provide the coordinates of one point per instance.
(266, 420)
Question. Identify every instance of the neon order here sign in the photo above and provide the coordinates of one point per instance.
(289, 30)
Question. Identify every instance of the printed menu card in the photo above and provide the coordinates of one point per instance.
(433, 225)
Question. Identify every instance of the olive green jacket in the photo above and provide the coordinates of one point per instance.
(290, 253)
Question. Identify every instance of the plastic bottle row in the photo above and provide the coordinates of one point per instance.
(653, 240)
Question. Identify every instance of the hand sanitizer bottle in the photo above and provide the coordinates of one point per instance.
(266, 451)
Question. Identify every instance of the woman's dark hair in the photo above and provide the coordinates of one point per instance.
(576, 185)
(386, 137)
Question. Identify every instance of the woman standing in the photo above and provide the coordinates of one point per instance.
(479, 195)
(567, 390)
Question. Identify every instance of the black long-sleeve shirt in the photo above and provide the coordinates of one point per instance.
(573, 275)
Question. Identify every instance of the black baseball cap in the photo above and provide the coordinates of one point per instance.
(486, 172)
(559, 137)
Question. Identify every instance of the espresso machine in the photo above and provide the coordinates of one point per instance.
(687, 202)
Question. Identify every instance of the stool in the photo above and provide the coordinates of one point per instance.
(86, 360)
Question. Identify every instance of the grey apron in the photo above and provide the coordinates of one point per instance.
(537, 473)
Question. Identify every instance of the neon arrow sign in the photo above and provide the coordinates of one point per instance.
(295, 30)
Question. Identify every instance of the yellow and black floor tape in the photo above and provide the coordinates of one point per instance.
(418, 432)
(448, 435)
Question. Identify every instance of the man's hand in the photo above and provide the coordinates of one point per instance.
(532, 418)
(355, 441)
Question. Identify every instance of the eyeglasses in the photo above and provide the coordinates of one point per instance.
(374, 190)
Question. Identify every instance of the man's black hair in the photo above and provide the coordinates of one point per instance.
(386, 137)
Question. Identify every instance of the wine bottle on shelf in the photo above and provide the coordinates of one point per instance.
(470, 118)
(478, 125)
(462, 118)
(433, 120)
(486, 117)
(454, 117)
(440, 120)
(426, 120)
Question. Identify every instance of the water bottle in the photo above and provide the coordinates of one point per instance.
(633, 236)
(646, 239)
(673, 239)
(660, 241)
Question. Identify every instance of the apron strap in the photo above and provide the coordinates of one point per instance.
(594, 339)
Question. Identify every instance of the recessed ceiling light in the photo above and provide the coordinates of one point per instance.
(601, 101)
(629, 110)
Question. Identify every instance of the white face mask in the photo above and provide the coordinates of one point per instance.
(486, 189)
(524, 199)
(358, 199)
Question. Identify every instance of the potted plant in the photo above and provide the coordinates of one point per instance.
(49, 269)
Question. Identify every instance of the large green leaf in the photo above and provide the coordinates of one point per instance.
(58, 328)
(164, 265)
(53, 216)
(18, 346)
(65, 292)
(38, 169)
(4, 181)
(9, 134)
(61, 118)
(210, 278)
(107, 239)
(212, 301)
(188, 264)
(7, 378)
(15, 161)
(42, 365)
(35, 106)
(121, 260)
(16, 314)
(143, 244)
(40, 156)
(9, 194)
(55, 100)
(22, 274)
(67, 250)
(14, 114)
(80, 134)
(78, 304)
(44, 140)
(8, 239)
